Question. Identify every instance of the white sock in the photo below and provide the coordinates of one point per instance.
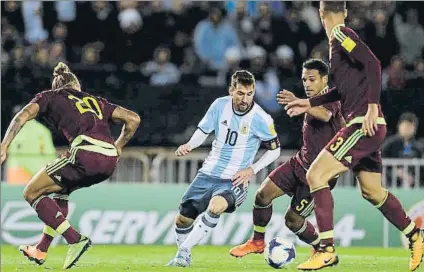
(203, 226)
(181, 234)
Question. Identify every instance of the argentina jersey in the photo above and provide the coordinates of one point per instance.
(237, 137)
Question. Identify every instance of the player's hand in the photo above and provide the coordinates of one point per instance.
(369, 125)
(243, 177)
(3, 153)
(183, 150)
(297, 107)
(284, 97)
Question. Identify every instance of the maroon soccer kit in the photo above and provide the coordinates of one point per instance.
(83, 119)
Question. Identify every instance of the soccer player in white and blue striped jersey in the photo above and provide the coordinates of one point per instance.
(240, 126)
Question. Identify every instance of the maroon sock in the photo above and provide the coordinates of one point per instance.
(393, 211)
(307, 234)
(49, 212)
(324, 206)
(261, 217)
(46, 239)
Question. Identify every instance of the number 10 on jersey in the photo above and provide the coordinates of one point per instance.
(231, 137)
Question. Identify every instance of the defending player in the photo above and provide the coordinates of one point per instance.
(320, 125)
(83, 120)
(357, 76)
(220, 186)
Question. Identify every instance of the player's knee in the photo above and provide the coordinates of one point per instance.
(293, 221)
(261, 198)
(374, 196)
(188, 210)
(217, 205)
(311, 177)
(182, 221)
(315, 178)
(30, 195)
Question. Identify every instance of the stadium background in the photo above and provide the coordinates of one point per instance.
(162, 60)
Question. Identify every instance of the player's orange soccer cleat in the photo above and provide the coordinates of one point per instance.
(251, 246)
(416, 245)
(325, 257)
(33, 254)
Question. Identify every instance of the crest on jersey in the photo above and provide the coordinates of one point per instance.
(244, 128)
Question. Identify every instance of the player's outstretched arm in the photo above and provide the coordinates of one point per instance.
(29, 112)
(331, 96)
(131, 121)
(320, 113)
(195, 141)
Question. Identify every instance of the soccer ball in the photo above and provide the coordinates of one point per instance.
(279, 252)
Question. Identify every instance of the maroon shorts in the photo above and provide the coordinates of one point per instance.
(81, 169)
(355, 150)
(291, 178)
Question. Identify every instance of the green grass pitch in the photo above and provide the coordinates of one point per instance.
(115, 258)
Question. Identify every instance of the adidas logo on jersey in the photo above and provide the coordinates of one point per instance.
(59, 178)
(58, 214)
(348, 159)
(224, 123)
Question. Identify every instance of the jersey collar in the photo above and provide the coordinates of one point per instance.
(242, 113)
(334, 28)
(323, 91)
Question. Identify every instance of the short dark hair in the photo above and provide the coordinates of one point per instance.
(334, 6)
(242, 77)
(316, 64)
(408, 117)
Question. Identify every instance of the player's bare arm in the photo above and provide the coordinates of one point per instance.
(131, 121)
(29, 112)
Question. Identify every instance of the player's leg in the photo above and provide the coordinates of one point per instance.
(301, 206)
(193, 202)
(322, 171)
(217, 205)
(35, 193)
(48, 233)
(391, 208)
(224, 198)
(262, 213)
(303, 229)
(184, 222)
(262, 208)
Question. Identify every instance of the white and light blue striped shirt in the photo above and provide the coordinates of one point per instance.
(238, 137)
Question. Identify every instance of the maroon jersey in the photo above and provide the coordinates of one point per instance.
(317, 133)
(355, 72)
(76, 113)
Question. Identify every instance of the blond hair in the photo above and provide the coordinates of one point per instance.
(62, 77)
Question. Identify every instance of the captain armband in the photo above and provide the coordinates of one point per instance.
(272, 144)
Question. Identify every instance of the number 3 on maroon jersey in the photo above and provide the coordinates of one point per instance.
(337, 144)
(87, 104)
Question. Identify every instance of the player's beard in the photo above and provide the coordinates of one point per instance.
(242, 108)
